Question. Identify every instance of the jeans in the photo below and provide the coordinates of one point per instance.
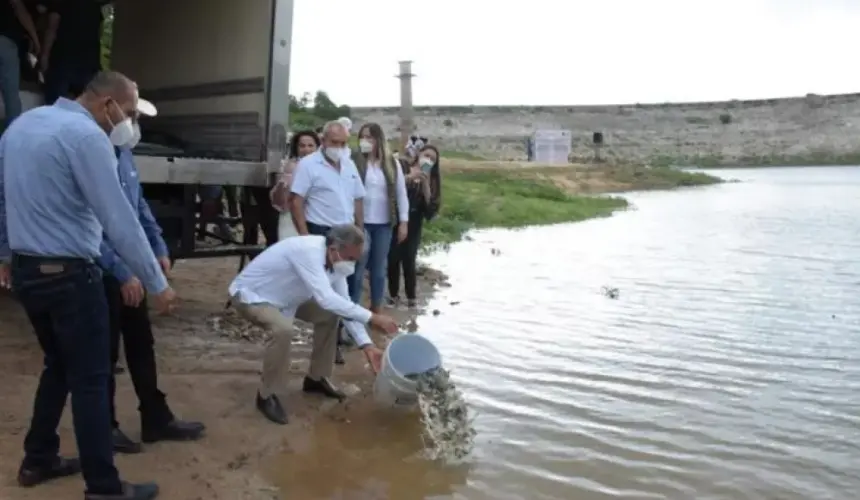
(10, 79)
(133, 325)
(65, 302)
(406, 255)
(376, 260)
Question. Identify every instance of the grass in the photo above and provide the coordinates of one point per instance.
(479, 195)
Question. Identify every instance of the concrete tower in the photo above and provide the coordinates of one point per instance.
(407, 114)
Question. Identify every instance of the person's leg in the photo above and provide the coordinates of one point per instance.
(380, 243)
(355, 281)
(157, 422)
(410, 257)
(276, 360)
(113, 296)
(73, 298)
(10, 79)
(394, 260)
(324, 348)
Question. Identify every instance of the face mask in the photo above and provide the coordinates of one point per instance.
(333, 154)
(426, 164)
(365, 146)
(135, 139)
(343, 268)
(121, 133)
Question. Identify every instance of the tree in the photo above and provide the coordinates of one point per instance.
(307, 113)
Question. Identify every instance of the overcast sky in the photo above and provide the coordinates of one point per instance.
(575, 51)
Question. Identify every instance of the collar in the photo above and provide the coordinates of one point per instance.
(74, 106)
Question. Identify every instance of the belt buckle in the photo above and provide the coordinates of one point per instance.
(51, 268)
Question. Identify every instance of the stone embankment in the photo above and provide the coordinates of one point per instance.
(804, 130)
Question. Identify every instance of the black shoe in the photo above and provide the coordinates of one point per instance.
(124, 444)
(271, 408)
(175, 430)
(62, 467)
(338, 357)
(323, 386)
(144, 491)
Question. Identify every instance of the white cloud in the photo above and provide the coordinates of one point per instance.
(574, 51)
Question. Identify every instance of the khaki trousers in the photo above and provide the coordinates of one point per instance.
(276, 360)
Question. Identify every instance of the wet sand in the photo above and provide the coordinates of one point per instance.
(209, 369)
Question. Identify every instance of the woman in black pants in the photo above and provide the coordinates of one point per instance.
(424, 186)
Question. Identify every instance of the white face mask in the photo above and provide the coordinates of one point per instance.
(122, 132)
(135, 139)
(425, 163)
(333, 154)
(365, 146)
(343, 268)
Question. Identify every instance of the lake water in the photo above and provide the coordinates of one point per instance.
(728, 367)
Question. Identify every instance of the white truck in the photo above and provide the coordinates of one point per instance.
(218, 71)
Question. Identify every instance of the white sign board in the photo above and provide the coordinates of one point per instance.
(551, 146)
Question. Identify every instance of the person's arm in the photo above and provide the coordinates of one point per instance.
(355, 329)
(358, 194)
(299, 188)
(112, 264)
(5, 251)
(434, 203)
(316, 278)
(93, 164)
(26, 20)
(50, 32)
(151, 228)
(402, 194)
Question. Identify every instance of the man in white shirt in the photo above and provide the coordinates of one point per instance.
(305, 277)
(326, 187)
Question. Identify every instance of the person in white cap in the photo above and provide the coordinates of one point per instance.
(129, 316)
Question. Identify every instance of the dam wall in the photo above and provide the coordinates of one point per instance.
(803, 130)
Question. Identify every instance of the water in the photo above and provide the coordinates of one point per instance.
(728, 366)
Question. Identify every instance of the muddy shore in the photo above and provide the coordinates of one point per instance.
(209, 364)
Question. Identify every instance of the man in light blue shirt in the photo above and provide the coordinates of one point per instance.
(130, 321)
(61, 192)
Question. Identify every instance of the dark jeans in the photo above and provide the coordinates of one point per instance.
(65, 301)
(405, 254)
(132, 324)
(10, 76)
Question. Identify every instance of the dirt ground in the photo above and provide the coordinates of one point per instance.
(209, 364)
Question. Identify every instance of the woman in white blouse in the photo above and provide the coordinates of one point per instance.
(302, 144)
(386, 209)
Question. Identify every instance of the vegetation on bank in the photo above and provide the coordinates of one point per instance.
(811, 159)
(479, 195)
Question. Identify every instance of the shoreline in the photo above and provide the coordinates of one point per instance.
(209, 360)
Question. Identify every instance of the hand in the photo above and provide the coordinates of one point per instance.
(374, 357)
(35, 46)
(402, 232)
(164, 262)
(132, 292)
(165, 301)
(5, 276)
(385, 323)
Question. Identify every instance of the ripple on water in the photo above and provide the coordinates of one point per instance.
(727, 368)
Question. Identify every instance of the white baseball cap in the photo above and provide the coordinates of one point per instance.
(146, 108)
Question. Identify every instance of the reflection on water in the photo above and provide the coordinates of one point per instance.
(366, 456)
(728, 367)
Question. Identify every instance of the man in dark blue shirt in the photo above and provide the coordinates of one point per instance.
(129, 319)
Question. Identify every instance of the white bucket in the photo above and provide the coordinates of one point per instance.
(407, 354)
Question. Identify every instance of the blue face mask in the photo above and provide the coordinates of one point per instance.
(426, 164)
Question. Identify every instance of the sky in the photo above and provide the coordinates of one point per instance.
(555, 52)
